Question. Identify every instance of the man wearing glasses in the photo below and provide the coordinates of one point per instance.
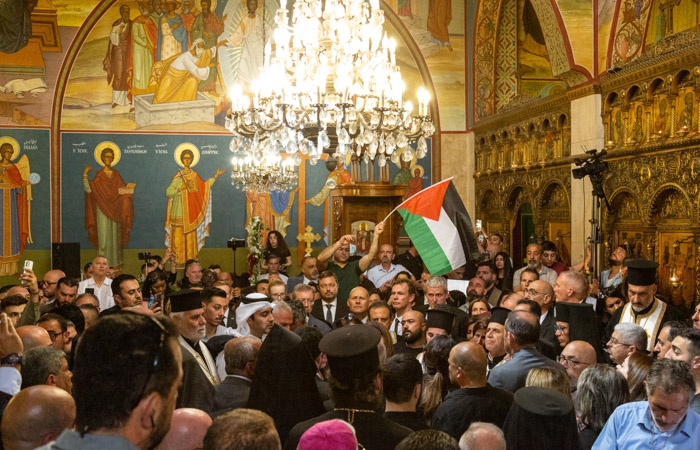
(57, 327)
(542, 292)
(577, 356)
(49, 286)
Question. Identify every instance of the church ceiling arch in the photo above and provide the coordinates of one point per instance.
(669, 203)
(503, 29)
(624, 205)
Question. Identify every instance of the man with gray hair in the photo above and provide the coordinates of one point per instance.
(571, 287)
(533, 254)
(240, 355)
(482, 436)
(436, 293)
(306, 295)
(198, 367)
(625, 340)
(46, 365)
(662, 421)
(283, 314)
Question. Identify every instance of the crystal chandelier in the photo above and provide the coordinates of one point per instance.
(263, 173)
(331, 76)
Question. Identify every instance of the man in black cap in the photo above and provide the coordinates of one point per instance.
(198, 367)
(578, 322)
(495, 338)
(643, 308)
(355, 379)
(439, 321)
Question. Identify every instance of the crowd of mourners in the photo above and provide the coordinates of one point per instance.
(350, 351)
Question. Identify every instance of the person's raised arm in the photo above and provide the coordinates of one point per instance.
(367, 259)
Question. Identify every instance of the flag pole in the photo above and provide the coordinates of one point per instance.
(409, 198)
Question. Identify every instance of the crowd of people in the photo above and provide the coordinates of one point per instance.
(350, 352)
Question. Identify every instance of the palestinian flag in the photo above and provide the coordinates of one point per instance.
(439, 226)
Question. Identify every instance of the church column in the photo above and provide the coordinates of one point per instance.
(587, 133)
(458, 160)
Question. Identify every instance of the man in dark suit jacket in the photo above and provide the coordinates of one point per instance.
(328, 287)
(309, 273)
(240, 355)
(522, 336)
(542, 292)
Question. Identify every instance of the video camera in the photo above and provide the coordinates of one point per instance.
(235, 243)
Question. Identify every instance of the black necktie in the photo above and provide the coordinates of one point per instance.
(329, 314)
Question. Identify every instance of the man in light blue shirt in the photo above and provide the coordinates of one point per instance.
(664, 421)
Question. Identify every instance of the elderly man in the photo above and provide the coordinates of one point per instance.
(99, 285)
(571, 287)
(46, 365)
(309, 273)
(643, 308)
(282, 314)
(575, 357)
(522, 335)
(495, 341)
(662, 421)
(116, 355)
(686, 347)
(542, 292)
(36, 416)
(353, 360)
(199, 369)
(240, 355)
(382, 275)
(358, 303)
(49, 285)
(437, 294)
(625, 340)
(475, 400)
(348, 272)
(533, 254)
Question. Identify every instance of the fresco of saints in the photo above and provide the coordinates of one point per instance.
(415, 185)
(172, 34)
(209, 27)
(250, 36)
(181, 75)
(109, 205)
(15, 197)
(189, 207)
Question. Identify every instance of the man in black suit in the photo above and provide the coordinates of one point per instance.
(542, 292)
(240, 355)
(305, 294)
(328, 308)
(309, 273)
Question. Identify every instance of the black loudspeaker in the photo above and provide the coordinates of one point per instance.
(65, 256)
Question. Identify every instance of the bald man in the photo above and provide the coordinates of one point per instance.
(36, 416)
(542, 292)
(475, 400)
(33, 336)
(187, 430)
(358, 303)
(577, 356)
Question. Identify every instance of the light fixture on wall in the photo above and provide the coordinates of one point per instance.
(332, 77)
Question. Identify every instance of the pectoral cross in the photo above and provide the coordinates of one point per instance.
(308, 238)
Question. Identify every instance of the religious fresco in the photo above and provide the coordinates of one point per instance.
(24, 195)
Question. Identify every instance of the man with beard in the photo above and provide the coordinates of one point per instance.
(486, 270)
(643, 308)
(127, 372)
(612, 277)
(182, 75)
(309, 273)
(533, 253)
(413, 337)
(208, 27)
(475, 290)
(382, 275)
(199, 370)
(117, 62)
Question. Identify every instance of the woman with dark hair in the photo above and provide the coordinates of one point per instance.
(600, 390)
(156, 287)
(505, 271)
(276, 246)
(476, 330)
(635, 369)
(436, 384)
